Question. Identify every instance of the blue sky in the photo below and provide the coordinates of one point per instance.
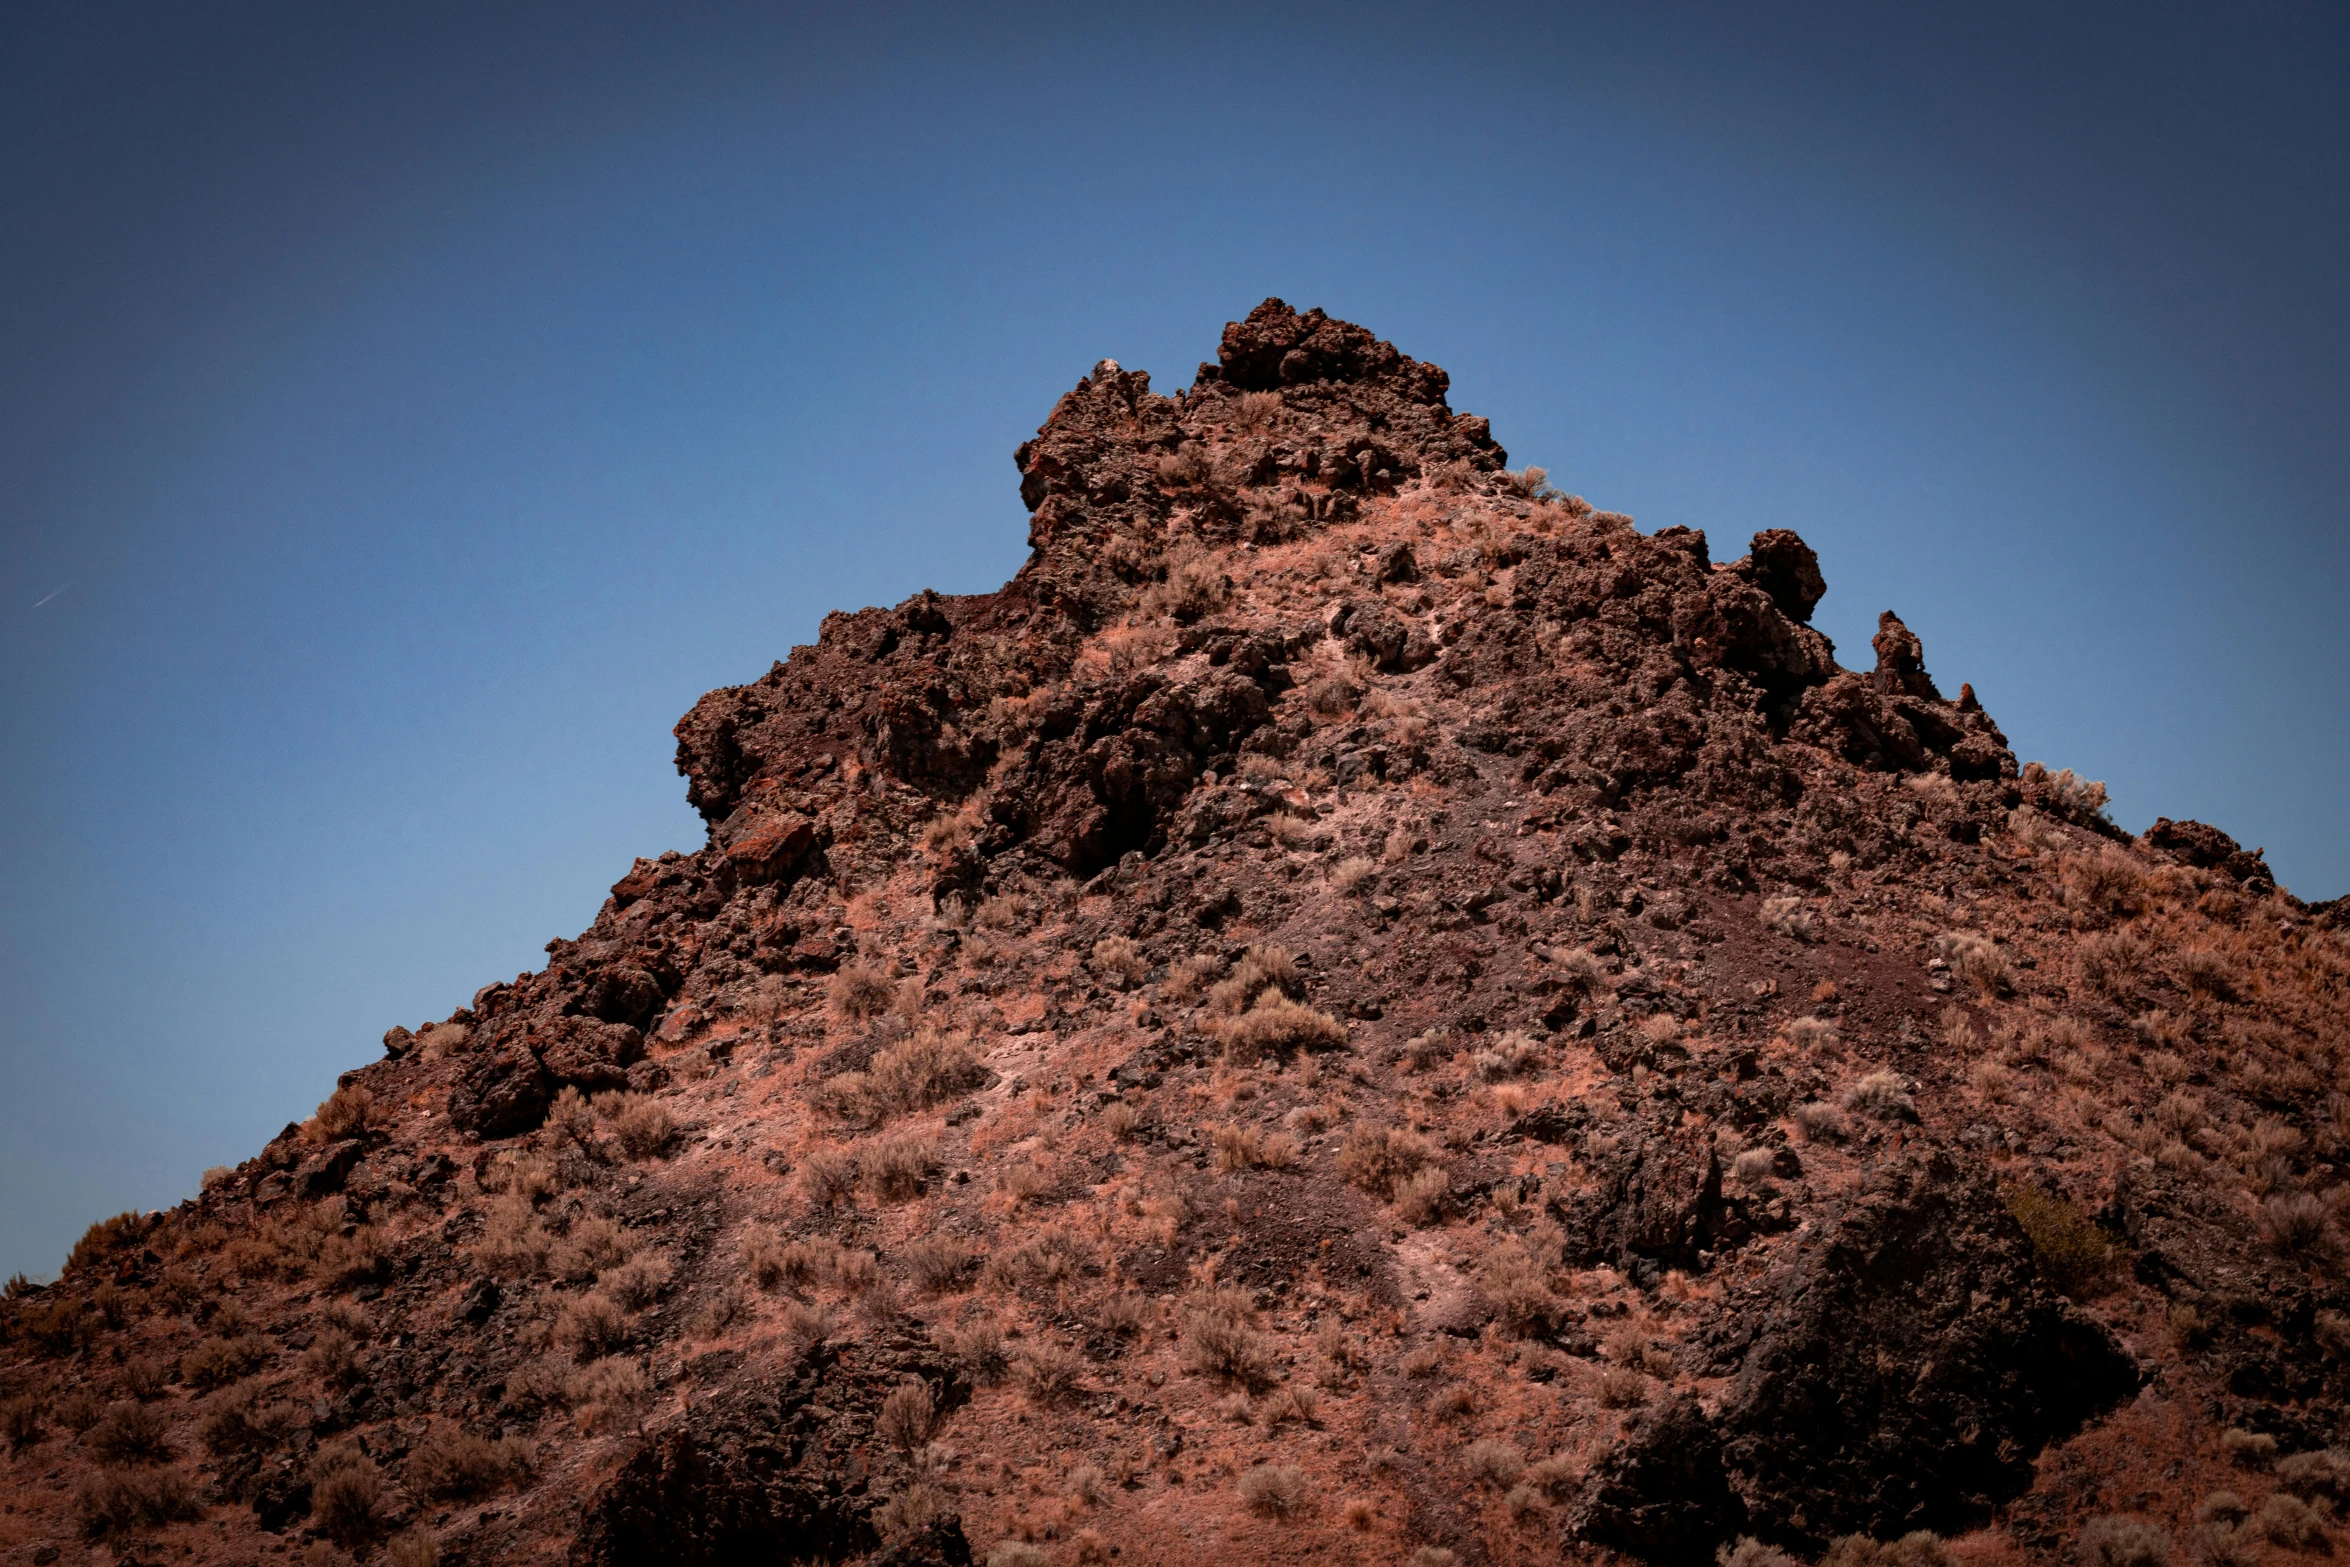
(407, 411)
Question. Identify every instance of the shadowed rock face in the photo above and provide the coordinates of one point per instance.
(766, 1471)
(1357, 1003)
(1905, 1377)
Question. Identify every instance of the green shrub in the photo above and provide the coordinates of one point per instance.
(2072, 1255)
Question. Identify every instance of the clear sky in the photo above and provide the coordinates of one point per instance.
(407, 410)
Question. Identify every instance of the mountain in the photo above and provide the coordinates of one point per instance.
(1358, 1009)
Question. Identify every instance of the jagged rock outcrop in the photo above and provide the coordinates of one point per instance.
(1910, 1367)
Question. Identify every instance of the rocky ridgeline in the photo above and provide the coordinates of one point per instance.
(1357, 1009)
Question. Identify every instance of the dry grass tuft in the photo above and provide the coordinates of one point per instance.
(1379, 1159)
(1275, 1490)
(1789, 918)
(1975, 959)
(1220, 1339)
(453, 1464)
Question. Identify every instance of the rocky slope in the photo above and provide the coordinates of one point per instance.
(1359, 1009)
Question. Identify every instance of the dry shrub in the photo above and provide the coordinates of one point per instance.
(860, 990)
(238, 1421)
(899, 1165)
(807, 1324)
(1280, 1151)
(1195, 586)
(2208, 975)
(333, 1357)
(1881, 1096)
(2102, 884)
(1515, 1052)
(2248, 1449)
(1378, 1159)
(1049, 1372)
(1236, 1148)
(1276, 1026)
(105, 1238)
(2126, 1541)
(1421, 1196)
(1752, 1170)
(516, 1174)
(1354, 874)
(1287, 1404)
(939, 1265)
(117, 1501)
(1810, 1034)
(1789, 918)
(1747, 1551)
(978, 1346)
(774, 1261)
(1118, 956)
(1220, 1339)
(346, 1496)
(592, 1244)
(2288, 1521)
(611, 1393)
(2298, 1225)
(1259, 970)
(414, 1549)
(1493, 1462)
(2190, 1328)
(638, 1282)
(1048, 1258)
(1121, 1313)
(1028, 1180)
(911, 1509)
(828, 1175)
(1975, 959)
(2322, 1476)
(1275, 1490)
(590, 1326)
(2064, 794)
(908, 1415)
(1017, 1553)
(855, 1272)
(641, 1123)
(439, 1041)
(913, 1074)
(218, 1361)
(1338, 1346)
(1120, 1119)
(131, 1434)
(1622, 1389)
(20, 1420)
(2072, 1255)
(347, 1112)
(2111, 962)
(1919, 1548)
(451, 1464)
(573, 1116)
(1256, 410)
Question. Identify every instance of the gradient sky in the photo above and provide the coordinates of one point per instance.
(406, 411)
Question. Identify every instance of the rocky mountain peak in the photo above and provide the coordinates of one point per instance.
(1360, 1006)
